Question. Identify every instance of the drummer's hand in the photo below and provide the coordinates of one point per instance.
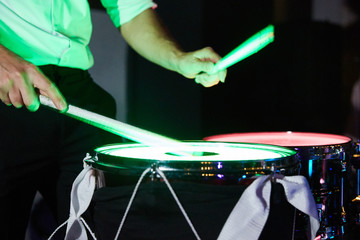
(199, 64)
(20, 80)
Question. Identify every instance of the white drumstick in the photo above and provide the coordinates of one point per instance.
(119, 128)
(252, 45)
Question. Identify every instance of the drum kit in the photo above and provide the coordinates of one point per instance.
(330, 163)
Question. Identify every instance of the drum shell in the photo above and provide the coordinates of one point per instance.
(207, 198)
(324, 166)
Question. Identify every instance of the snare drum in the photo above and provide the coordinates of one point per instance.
(208, 179)
(323, 160)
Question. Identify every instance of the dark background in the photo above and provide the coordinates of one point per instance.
(301, 82)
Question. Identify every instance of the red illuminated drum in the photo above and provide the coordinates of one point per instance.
(323, 160)
(285, 139)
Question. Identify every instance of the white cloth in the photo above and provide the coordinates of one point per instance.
(249, 215)
(81, 195)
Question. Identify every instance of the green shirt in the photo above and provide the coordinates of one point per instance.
(58, 31)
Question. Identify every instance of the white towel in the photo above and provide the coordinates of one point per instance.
(254, 204)
(249, 215)
(81, 194)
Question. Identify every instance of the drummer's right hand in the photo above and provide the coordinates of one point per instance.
(19, 80)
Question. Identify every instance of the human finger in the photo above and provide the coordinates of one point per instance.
(5, 99)
(207, 53)
(206, 59)
(15, 98)
(201, 66)
(29, 96)
(4, 96)
(50, 90)
(222, 75)
(207, 80)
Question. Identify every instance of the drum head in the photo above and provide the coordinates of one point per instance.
(285, 139)
(200, 159)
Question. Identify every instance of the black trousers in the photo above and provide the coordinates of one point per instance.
(43, 151)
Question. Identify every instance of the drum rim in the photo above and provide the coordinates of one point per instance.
(267, 147)
(122, 164)
(345, 142)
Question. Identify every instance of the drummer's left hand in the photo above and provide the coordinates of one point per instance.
(198, 64)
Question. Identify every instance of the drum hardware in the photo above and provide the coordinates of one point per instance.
(153, 171)
(356, 199)
(326, 178)
(356, 202)
(343, 214)
(272, 174)
(274, 170)
(356, 195)
(323, 161)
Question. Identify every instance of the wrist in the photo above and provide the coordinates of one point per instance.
(175, 58)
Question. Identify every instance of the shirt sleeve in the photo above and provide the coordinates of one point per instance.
(122, 11)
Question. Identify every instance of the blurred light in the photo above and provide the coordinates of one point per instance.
(310, 167)
(322, 181)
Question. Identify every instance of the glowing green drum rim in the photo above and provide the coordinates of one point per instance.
(219, 159)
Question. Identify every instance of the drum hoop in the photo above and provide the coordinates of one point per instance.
(213, 139)
(130, 166)
(326, 151)
(182, 167)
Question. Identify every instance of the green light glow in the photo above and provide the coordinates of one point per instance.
(247, 48)
(121, 129)
(224, 151)
(118, 128)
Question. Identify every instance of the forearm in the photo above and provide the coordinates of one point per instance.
(148, 36)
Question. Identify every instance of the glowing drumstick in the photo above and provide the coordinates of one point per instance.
(247, 48)
(119, 128)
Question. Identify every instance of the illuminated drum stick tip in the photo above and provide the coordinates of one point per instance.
(252, 45)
